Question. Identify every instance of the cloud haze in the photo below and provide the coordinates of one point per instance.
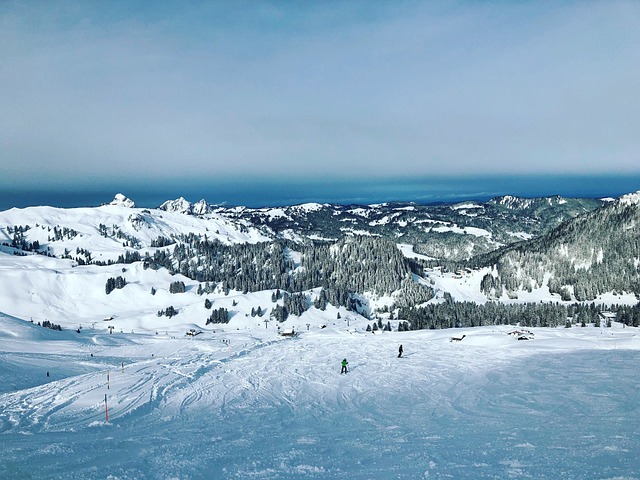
(92, 90)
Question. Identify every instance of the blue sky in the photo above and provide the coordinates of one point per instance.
(102, 92)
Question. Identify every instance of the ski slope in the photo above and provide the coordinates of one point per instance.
(251, 404)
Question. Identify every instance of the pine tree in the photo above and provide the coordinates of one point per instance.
(177, 287)
(110, 286)
(221, 315)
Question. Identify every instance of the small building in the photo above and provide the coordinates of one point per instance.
(608, 316)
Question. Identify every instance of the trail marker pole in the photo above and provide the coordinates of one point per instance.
(107, 379)
(106, 409)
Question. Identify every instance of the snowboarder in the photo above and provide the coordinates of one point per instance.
(344, 366)
(400, 351)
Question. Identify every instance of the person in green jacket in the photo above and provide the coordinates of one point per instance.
(344, 366)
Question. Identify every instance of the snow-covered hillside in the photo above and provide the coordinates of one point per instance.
(104, 229)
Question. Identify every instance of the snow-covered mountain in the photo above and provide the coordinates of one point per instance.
(445, 231)
(236, 258)
(580, 259)
(122, 201)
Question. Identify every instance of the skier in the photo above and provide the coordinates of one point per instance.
(344, 366)
(400, 351)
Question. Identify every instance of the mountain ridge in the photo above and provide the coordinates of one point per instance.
(232, 254)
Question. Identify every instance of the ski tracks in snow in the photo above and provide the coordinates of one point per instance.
(197, 375)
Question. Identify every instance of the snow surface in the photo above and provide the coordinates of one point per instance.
(407, 251)
(475, 231)
(521, 235)
(466, 206)
(251, 404)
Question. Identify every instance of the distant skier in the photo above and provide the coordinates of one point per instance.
(344, 366)
(400, 351)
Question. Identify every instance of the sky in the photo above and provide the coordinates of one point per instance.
(97, 93)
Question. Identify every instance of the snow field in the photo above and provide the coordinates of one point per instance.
(251, 404)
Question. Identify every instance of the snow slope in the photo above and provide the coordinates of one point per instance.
(251, 404)
(144, 224)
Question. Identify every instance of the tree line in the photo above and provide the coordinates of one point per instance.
(452, 314)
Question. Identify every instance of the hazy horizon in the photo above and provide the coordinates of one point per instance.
(271, 192)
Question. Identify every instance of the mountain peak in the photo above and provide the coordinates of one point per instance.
(630, 198)
(179, 205)
(201, 207)
(122, 201)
